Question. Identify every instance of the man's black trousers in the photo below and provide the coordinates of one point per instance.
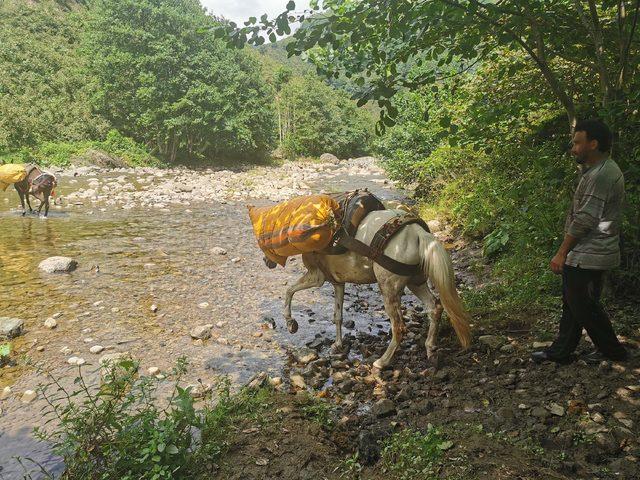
(581, 308)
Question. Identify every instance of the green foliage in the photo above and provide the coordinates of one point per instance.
(190, 95)
(120, 430)
(5, 353)
(315, 119)
(45, 91)
(410, 454)
(61, 154)
(318, 410)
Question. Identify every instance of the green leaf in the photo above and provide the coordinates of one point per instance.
(291, 6)
(5, 349)
(172, 449)
(445, 445)
(161, 447)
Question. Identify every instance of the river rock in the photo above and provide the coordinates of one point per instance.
(58, 265)
(10, 327)
(383, 408)
(218, 251)
(492, 341)
(6, 392)
(201, 332)
(28, 396)
(76, 361)
(305, 355)
(329, 157)
(51, 323)
(153, 370)
(298, 381)
(96, 349)
(556, 409)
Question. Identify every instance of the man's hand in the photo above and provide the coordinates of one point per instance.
(557, 263)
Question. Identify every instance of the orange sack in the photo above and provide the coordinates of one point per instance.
(301, 225)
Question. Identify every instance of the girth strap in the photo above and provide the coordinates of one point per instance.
(379, 242)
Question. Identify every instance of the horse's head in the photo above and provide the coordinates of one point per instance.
(269, 263)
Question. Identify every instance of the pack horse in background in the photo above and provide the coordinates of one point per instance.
(29, 180)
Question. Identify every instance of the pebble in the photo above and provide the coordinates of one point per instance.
(492, 341)
(221, 324)
(541, 344)
(154, 308)
(201, 332)
(6, 392)
(153, 370)
(65, 350)
(298, 381)
(218, 251)
(235, 260)
(96, 349)
(556, 409)
(383, 408)
(56, 315)
(50, 323)
(76, 361)
(28, 396)
(203, 305)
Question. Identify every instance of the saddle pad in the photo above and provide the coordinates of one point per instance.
(11, 173)
(304, 224)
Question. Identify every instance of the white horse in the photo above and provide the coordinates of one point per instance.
(411, 245)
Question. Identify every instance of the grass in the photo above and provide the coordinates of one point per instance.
(125, 429)
(413, 455)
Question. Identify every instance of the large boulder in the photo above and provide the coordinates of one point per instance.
(98, 158)
(58, 265)
(329, 158)
(10, 327)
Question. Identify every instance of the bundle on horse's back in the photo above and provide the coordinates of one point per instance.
(11, 173)
(304, 224)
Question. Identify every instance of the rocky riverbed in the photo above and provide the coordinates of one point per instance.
(167, 266)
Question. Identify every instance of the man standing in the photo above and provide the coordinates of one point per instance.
(590, 248)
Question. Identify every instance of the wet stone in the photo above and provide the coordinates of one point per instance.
(58, 265)
(10, 327)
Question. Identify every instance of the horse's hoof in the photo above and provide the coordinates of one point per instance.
(292, 326)
(337, 347)
(433, 360)
(379, 365)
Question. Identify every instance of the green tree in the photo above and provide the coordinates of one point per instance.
(45, 91)
(165, 81)
(315, 119)
(375, 40)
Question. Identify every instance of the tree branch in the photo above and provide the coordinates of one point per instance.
(624, 60)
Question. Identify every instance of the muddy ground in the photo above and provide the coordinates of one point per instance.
(504, 416)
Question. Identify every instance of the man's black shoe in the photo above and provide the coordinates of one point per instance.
(543, 356)
(595, 357)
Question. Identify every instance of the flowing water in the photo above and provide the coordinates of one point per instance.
(131, 259)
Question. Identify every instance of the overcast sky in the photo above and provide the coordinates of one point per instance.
(241, 10)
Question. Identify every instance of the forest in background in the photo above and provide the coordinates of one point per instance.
(148, 82)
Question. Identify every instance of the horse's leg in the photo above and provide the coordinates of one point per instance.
(21, 195)
(27, 198)
(391, 286)
(338, 289)
(313, 278)
(434, 311)
(45, 202)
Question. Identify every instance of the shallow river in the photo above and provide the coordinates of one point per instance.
(131, 259)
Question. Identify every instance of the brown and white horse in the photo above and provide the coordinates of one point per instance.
(39, 184)
(411, 245)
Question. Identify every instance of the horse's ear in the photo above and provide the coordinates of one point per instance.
(250, 207)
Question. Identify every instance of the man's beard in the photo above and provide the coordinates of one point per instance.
(580, 159)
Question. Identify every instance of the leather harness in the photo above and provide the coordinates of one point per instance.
(345, 240)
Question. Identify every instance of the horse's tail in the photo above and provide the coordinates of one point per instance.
(436, 265)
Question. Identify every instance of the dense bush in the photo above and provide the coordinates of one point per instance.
(45, 92)
(486, 152)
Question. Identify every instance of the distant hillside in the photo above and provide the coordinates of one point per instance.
(277, 52)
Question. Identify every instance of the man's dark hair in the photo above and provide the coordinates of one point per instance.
(596, 130)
